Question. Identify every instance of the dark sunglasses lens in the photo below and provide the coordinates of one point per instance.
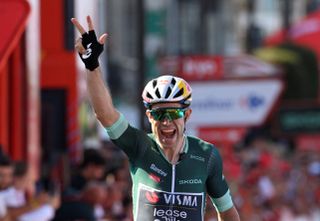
(175, 114)
(157, 114)
(172, 114)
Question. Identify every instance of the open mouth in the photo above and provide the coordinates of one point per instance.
(168, 133)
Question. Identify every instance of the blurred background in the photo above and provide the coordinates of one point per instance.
(252, 64)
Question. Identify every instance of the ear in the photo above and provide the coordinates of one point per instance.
(187, 114)
(148, 115)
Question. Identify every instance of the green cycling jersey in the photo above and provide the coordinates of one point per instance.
(171, 192)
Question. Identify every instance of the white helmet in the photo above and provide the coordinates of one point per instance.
(167, 88)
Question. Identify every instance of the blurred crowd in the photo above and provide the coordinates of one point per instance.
(17, 198)
(271, 180)
(98, 190)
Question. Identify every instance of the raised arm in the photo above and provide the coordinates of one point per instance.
(89, 49)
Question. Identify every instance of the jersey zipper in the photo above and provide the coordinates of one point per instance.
(174, 168)
(173, 178)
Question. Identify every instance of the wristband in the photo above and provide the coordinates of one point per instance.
(93, 50)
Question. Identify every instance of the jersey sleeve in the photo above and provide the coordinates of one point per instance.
(217, 186)
(132, 141)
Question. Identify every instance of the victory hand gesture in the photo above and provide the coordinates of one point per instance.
(88, 46)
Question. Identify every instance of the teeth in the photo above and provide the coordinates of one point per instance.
(168, 131)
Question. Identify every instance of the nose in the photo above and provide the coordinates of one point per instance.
(166, 119)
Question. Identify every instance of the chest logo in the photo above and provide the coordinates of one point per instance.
(196, 157)
(154, 178)
(191, 181)
(152, 197)
(181, 200)
(158, 170)
(158, 205)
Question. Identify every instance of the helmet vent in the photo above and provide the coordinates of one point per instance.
(149, 95)
(173, 81)
(154, 83)
(168, 93)
(179, 93)
(158, 93)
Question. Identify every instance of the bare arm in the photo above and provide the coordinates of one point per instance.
(229, 215)
(101, 99)
(98, 92)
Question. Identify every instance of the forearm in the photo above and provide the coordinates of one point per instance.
(229, 215)
(100, 98)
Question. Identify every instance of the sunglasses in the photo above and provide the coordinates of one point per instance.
(171, 113)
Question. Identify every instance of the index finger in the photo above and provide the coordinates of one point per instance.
(78, 26)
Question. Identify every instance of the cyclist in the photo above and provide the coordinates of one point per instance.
(171, 172)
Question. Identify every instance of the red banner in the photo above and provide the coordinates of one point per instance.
(13, 16)
(222, 135)
(305, 32)
(308, 142)
(201, 67)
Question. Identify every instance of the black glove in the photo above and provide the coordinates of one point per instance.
(93, 50)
